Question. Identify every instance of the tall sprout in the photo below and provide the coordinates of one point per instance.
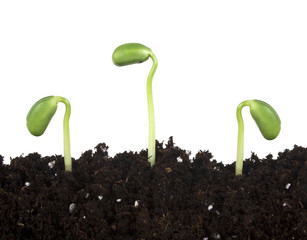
(131, 53)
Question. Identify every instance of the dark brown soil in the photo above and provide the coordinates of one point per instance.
(124, 198)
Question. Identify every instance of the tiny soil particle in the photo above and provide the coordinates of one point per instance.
(196, 198)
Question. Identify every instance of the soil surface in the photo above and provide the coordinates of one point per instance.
(181, 197)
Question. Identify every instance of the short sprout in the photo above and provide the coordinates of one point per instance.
(267, 121)
(41, 114)
(131, 53)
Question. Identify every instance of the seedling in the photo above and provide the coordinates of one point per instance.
(131, 53)
(267, 121)
(41, 114)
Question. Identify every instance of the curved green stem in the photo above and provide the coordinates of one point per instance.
(267, 121)
(240, 143)
(151, 113)
(67, 155)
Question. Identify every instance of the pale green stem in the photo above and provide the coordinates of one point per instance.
(151, 113)
(67, 155)
(240, 144)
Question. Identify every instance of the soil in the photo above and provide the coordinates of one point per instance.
(181, 197)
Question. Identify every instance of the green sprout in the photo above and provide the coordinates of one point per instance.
(41, 114)
(267, 121)
(131, 53)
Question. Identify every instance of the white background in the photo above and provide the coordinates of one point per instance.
(212, 56)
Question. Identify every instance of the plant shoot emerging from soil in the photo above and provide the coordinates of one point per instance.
(41, 114)
(131, 53)
(267, 121)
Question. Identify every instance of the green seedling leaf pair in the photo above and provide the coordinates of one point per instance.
(264, 115)
(267, 121)
(41, 114)
(43, 110)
